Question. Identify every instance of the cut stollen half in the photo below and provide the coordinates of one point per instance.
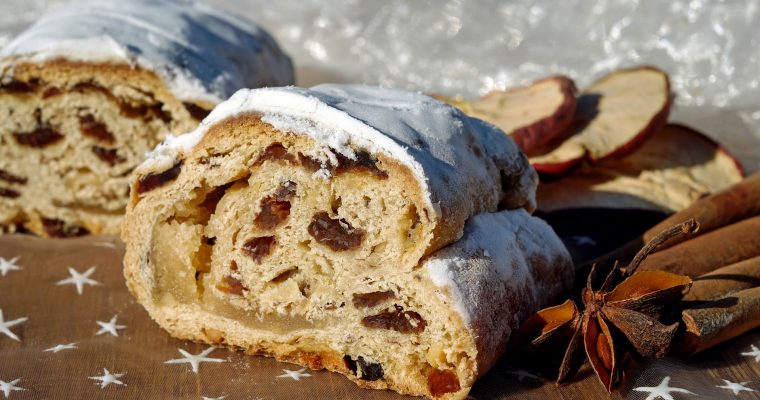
(91, 87)
(532, 115)
(373, 232)
(671, 170)
(613, 116)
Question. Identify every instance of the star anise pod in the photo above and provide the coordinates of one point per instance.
(631, 312)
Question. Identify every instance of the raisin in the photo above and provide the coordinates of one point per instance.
(59, 229)
(283, 276)
(40, 137)
(196, 111)
(89, 126)
(145, 111)
(231, 285)
(272, 213)
(258, 248)
(370, 371)
(52, 92)
(110, 156)
(309, 163)
(10, 193)
(441, 382)
(336, 234)
(350, 363)
(372, 299)
(154, 180)
(209, 240)
(10, 178)
(274, 152)
(363, 163)
(397, 320)
(19, 87)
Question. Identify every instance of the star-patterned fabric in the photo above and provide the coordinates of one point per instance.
(102, 344)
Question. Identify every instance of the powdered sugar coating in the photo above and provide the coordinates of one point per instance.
(511, 259)
(201, 53)
(459, 161)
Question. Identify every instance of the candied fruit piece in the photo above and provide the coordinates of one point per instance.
(372, 299)
(397, 320)
(441, 382)
(258, 248)
(154, 180)
(337, 234)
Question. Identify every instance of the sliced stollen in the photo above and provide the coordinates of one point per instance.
(88, 89)
(374, 232)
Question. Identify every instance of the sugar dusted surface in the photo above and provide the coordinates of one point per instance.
(436, 141)
(497, 250)
(203, 54)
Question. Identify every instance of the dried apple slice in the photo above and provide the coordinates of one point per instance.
(670, 171)
(532, 115)
(614, 115)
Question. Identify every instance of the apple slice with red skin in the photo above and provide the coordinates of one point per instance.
(667, 173)
(533, 115)
(613, 117)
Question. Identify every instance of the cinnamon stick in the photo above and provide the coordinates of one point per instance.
(738, 202)
(727, 245)
(718, 321)
(725, 280)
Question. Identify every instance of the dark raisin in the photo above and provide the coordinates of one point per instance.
(231, 285)
(19, 87)
(283, 276)
(52, 92)
(10, 178)
(272, 213)
(372, 299)
(274, 152)
(209, 240)
(441, 382)
(397, 320)
(336, 234)
(363, 163)
(145, 111)
(154, 180)
(309, 163)
(258, 248)
(90, 127)
(110, 156)
(10, 193)
(350, 364)
(370, 371)
(40, 137)
(196, 111)
(60, 229)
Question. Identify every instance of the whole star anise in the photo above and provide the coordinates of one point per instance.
(630, 312)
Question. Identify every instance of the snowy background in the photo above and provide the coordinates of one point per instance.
(710, 48)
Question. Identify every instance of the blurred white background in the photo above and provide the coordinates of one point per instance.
(710, 48)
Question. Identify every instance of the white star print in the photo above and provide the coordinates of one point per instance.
(108, 378)
(62, 347)
(8, 265)
(754, 353)
(584, 241)
(662, 390)
(195, 359)
(735, 387)
(214, 398)
(295, 375)
(109, 327)
(5, 326)
(8, 387)
(79, 279)
(522, 374)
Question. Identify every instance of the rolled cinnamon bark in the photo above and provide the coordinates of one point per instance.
(706, 253)
(719, 321)
(726, 280)
(715, 211)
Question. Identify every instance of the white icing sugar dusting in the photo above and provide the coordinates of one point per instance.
(506, 262)
(458, 161)
(201, 53)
